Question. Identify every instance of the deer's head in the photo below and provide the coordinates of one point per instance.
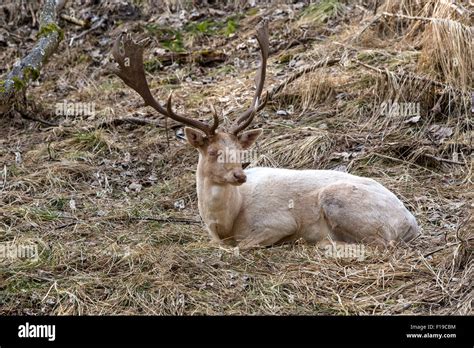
(214, 144)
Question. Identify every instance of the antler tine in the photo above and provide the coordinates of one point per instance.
(215, 117)
(247, 117)
(129, 56)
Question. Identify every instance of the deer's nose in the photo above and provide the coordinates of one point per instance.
(240, 177)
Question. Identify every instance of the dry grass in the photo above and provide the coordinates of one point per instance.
(95, 201)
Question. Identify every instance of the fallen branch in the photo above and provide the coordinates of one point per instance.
(28, 116)
(130, 120)
(138, 121)
(440, 159)
(75, 21)
(146, 218)
(201, 57)
(28, 69)
(168, 220)
(411, 76)
(98, 24)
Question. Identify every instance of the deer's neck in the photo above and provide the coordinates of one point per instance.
(219, 205)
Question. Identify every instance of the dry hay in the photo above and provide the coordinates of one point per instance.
(298, 149)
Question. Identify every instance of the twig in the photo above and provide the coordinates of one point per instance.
(60, 4)
(168, 219)
(4, 177)
(131, 120)
(443, 159)
(298, 74)
(66, 225)
(85, 32)
(368, 25)
(145, 218)
(410, 75)
(50, 153)
(27, 116)
(401, 161)
(447, 246)
(74, 20)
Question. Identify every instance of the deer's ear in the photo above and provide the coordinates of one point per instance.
(249, 137)
(195, 137)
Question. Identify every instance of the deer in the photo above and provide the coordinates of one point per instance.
(262, 206)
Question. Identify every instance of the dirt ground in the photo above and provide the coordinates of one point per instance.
(111, 205)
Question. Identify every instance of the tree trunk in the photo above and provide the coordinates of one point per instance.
(28, 69)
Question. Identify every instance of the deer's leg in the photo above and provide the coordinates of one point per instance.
(357, 213)
(212, 229)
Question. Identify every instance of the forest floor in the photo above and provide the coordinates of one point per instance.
(112, 207)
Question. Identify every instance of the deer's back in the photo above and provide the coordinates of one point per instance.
(298, 198)
(292, 181)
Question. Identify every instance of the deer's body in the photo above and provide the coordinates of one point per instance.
(264, 206)
(282, 205)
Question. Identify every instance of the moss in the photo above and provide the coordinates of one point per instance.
(322, 11)
(205, 27)
(47, 29)
(252, 12)
(84, 58)
(31, 73)
(59, 203)
(230, 27)
(169, 38)
(39, 214)
(21, 285)
(223, 70)
(208, 28)
(285, 58)
(14, 170)
(18, 83)
(91, 141)
(175, 45)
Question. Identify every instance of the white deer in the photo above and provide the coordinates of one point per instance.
(266, 206)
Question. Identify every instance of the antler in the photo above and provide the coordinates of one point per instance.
(247, 117)
(129, 56)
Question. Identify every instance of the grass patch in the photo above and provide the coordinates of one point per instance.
(209, 27)
(93, 141)
(170, 39)
(39, 214)
(321, 12)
